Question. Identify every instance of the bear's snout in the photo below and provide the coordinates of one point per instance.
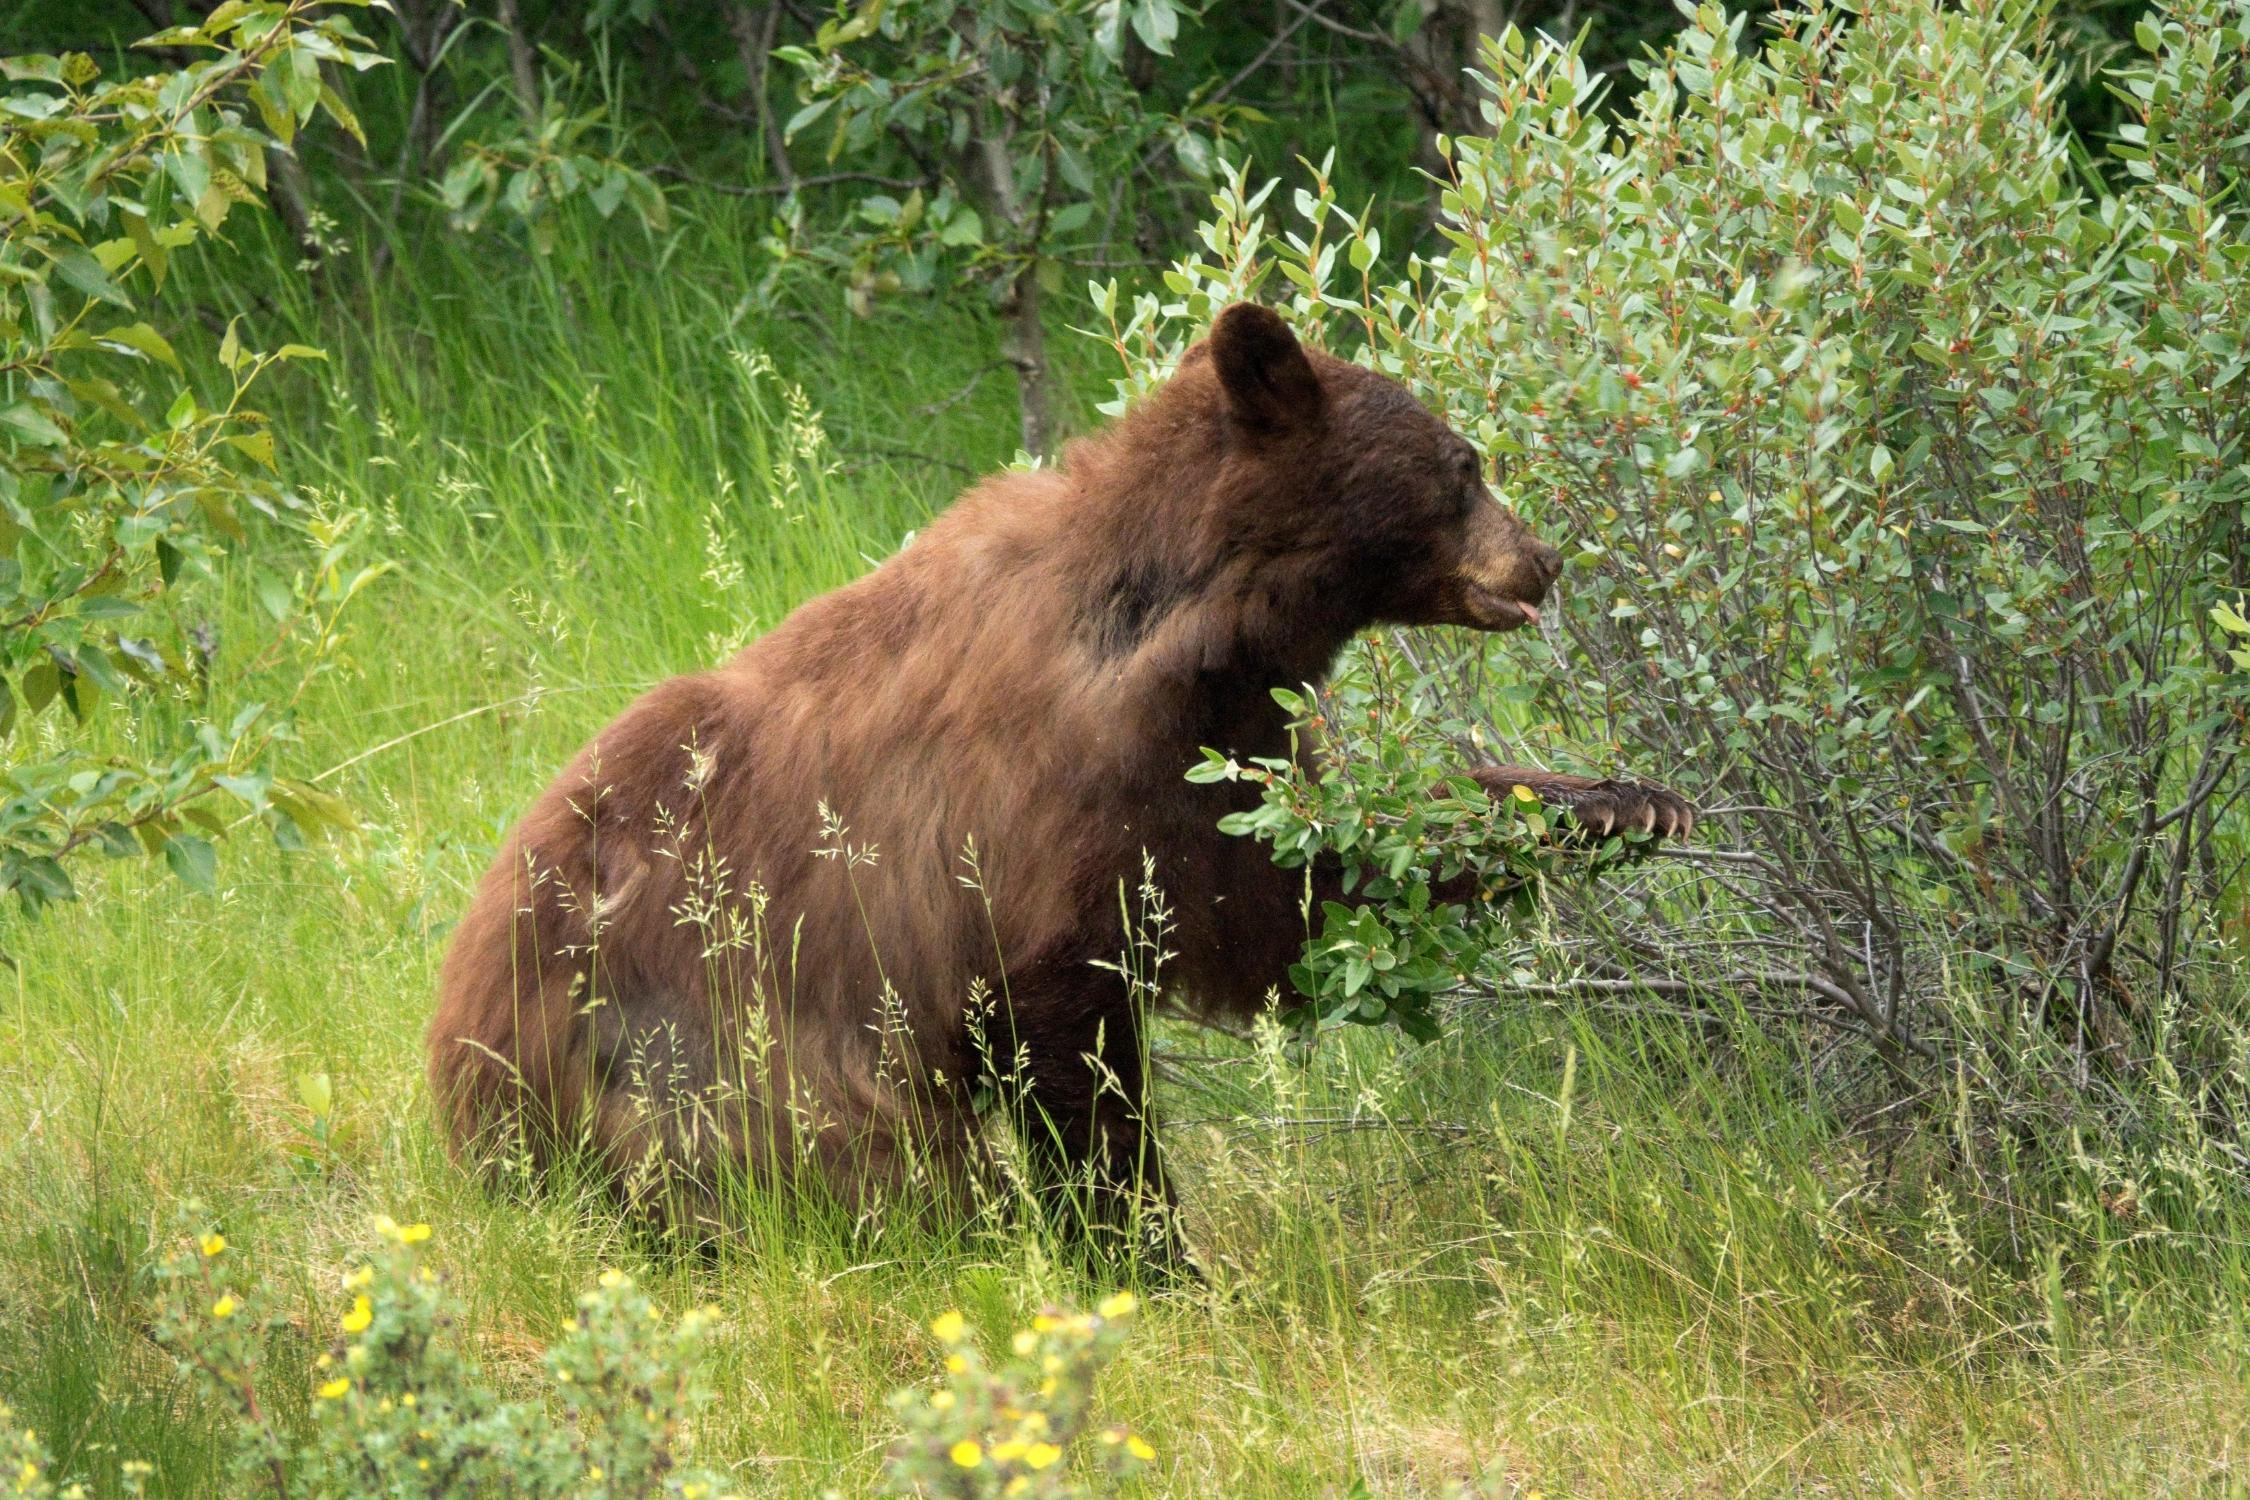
(1503, 573)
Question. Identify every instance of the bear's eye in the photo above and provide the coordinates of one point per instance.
(1471, 476)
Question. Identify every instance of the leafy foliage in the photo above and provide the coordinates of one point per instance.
(401, 1409)
(561, 155)
(121, 487)
(1402, 824)
(1026, 110)
(1900, 476)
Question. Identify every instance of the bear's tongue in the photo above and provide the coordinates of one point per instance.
(1530, 614)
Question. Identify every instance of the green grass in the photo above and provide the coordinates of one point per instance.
(1594, 1253)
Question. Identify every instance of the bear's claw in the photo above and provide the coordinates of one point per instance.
(1601, 807)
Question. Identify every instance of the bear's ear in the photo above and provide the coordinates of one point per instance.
(1263, 370)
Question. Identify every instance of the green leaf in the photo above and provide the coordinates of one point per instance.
(42, 682)
(341, 113)
(1156, 23)
(259, 445)
(34, 424)
(193, 859)
(964, 228)
(144, 340)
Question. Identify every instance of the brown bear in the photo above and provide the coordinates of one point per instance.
(781, 916)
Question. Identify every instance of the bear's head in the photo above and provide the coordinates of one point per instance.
(1356, 488)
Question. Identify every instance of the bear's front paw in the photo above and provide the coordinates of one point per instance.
(1599, 808)
(1610, 807)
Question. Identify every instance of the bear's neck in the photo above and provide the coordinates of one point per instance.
(1230, 649)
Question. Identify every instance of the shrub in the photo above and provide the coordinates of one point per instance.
(399, 1408)
(121, 486)
(1901, 461)
(1007, 1429)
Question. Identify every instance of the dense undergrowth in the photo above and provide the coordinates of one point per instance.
(1573, 1247)
(1578, 1245)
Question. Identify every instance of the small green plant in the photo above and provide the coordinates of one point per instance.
(320, 1134)
(1007, 1429)
(558, 156)
(400, 1408)
(27, 1469)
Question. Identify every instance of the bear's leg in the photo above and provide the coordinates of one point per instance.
(1074, 1074)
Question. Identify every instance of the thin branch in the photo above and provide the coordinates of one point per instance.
(780, 189)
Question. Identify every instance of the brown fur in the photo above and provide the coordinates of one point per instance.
(1034, 673)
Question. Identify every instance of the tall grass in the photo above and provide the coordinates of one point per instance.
(1570, 1250)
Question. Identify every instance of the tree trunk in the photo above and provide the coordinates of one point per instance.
(1023, 343)
(423, 37)
(523, 64)
(1024, 347)
(1448, 43)
(754, 27)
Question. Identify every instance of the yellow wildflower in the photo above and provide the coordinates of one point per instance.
(1007, 1452)
(612, 1278)
(1119, 1305)
(1139, 1449)
(1026, 1341)
(956, 1364)
(354, 1280)
(1046, 1323)
(414, 1234)
(1042, 1455)
(362, 1314)
(335, 1388)
(950, 1327)
(224, 1307)
(213, 1244)
(968, 1453)
(386, 1226)
(941, 1401)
